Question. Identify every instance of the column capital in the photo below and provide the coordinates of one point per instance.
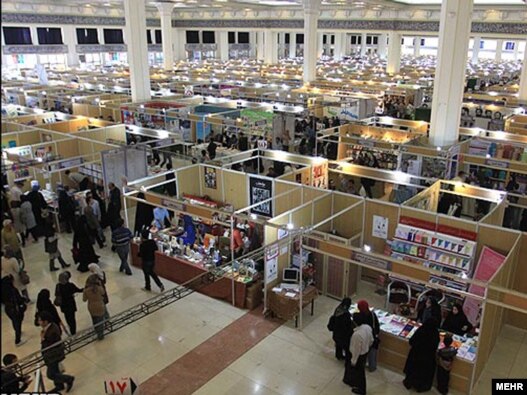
(311, 6)
(165, 8)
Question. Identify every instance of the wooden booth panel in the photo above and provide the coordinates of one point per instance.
(235, 189)
(335, 278)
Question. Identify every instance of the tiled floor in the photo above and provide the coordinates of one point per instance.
(285, 361)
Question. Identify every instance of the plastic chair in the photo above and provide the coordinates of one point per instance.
(398, 292)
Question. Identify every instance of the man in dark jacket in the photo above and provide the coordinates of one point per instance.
(15, 307)
(114, 205)
(53, 353)
(341, 325)
(12, 383)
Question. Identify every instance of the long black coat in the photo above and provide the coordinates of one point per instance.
(343, 327)
(421, 362)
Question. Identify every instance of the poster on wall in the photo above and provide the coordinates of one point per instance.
(261, 189)
(489, 263)
(210, 177)
(271, 270)
(380, 227)
(320, 175)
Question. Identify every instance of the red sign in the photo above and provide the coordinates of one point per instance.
(417, 223)
(461, 233)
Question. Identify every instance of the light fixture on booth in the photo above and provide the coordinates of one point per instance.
(290, 226)
(254, 216)
(366, 248)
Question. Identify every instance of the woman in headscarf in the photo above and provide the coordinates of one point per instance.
(456, 321)
(370, 318)
(65, 298)
(96, 270)
(44, 304)
(430, 309)
(83, 242)
(421, 362)
(341, 325)
(94, 294)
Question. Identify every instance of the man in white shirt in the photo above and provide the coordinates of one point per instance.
(361, 342)
(16, 192)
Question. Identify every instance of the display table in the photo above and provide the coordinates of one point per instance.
(180, 271)
(286, 307)
(394, 347)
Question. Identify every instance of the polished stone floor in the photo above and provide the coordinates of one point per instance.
(167, 345)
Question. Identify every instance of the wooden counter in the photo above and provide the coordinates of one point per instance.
(393, 351)
(181, 271)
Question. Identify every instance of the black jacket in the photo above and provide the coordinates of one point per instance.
(342, 326)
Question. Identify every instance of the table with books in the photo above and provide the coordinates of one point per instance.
(394, 347)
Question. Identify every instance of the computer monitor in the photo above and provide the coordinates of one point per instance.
(291, 275)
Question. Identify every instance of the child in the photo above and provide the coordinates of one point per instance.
(445, 358)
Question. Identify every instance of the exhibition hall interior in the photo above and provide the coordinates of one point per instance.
(272, 197)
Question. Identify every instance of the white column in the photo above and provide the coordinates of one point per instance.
(522, 93)
(69, 34)
(417, 47)
(135, 19)
(339, 46)
(382, 46)
(223, 45)
(260, 46)
(271, 50)
(292, 45)
(363, 46)
(449, 82)
(165, 13)
(252, 43)
(475, 49)
(394, 53)
(311, 13)
(499, 50)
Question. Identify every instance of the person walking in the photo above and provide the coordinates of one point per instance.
(20, 228)
(44, 304)
(66, 208)
(96, 270)
(27, 217)
(65, 299)
(94, 294)
(82, 242)
(361, 342)
(12, 382)
(146, 252)
(10, 239)
(114, 205)
(51, 247)
(15, 307)
(370, 318)
(121, 237)
(10, 266)
(341, 325)
(420, 365)
(53, 353)
(92, 220)
(38, 204)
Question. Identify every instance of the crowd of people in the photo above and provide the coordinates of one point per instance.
(85, 215)
(357, 342)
